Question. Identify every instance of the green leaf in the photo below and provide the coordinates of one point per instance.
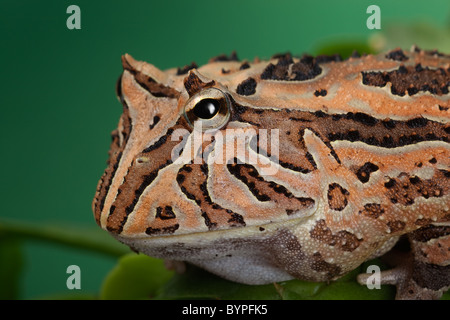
(199, 284)
(345, 288)
(11, 265)
(344, 48)
(196, 283)
(82, 237)
(424, 34)
(298, 290)
(135, 277)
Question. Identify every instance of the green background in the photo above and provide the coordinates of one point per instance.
(58, 104)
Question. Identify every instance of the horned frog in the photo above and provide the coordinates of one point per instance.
(292, 167)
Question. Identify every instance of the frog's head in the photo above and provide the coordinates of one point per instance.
(194, 151)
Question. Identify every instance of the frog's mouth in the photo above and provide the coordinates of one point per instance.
(177, 244)
(172, 222)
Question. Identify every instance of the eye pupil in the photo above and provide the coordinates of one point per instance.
(206, 108)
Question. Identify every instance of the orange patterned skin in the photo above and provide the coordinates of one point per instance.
(362, 158)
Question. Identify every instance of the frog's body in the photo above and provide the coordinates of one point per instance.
(341, 158)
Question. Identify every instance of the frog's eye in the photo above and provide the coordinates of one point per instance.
(210, 106)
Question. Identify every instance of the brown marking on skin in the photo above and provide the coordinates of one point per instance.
(320, 265)
(423, 221)
(224, 58)
(343, 240)
(410, 80)
(163, 230)
(307, 68)
(347, 241)
(162, 221)
(155, 122)
(165, 213)
(320, 93)
(295, 261)
(322, 232)
(192, 179)
(285, 69)
(244, 65)
(337, 197)
(429, 232)
(247, 87)
(292, 257)
(396, 226)
(364, 172)
(372, 210)
(193, 84)
(397, 55)
(265, 190)
(250, 177)
(447, 128)
(186, 68)
(405, 189)
(148, 83)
